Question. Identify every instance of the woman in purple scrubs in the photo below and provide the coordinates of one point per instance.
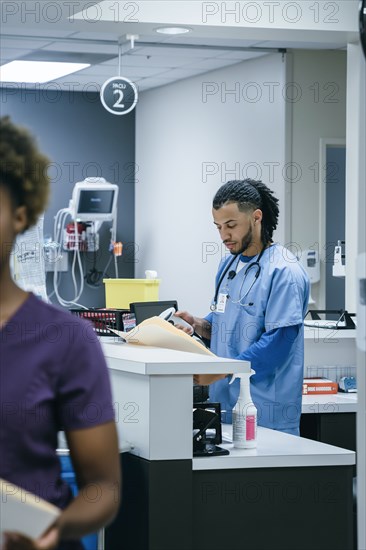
(53, 376)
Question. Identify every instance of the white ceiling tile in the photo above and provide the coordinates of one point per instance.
(79, 82)
(152, 61)
(27, 44)
(178, 52)
(144, 72)
(8, 54)
(208, 41)
(161, 61)
(240, 55)
(211, 64)
(297, 45)
(106, 71)
(186, 72)
(109, 71)
(97, 36)
(27, 30)
(82, 48)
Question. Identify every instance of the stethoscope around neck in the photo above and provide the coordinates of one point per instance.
(232, 274)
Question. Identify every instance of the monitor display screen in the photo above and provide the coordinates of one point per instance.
(99, 201)
(145, 310)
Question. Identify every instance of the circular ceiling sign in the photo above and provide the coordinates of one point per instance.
(119, 95)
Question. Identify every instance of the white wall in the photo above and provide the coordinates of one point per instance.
(320, 112)
(356, 198)
(182, 134)
(355, 191)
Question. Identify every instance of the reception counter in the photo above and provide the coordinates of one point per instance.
(153, 393)
(287, 493)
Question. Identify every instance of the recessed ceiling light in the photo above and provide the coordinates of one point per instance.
(173, 30)
(37, 71)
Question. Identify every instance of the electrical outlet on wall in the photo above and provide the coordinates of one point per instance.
(62, 263)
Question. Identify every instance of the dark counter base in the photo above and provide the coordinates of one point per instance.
(337, 429)
(156, 511)
(273, 509)
(167, 506)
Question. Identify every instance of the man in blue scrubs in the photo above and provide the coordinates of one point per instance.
(257, 313)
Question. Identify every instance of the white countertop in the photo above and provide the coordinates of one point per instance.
(150, 360)
(276, 450)
(331, 403)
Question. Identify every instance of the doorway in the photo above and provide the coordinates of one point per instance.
(333, 217)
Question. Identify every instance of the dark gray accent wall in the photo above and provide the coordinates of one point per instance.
(82, 140)
(335, 222)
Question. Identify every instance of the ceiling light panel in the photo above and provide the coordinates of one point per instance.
(37, 71)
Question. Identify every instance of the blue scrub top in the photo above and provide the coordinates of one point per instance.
(277, 299)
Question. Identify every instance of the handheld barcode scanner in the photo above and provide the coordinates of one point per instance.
(169, 315)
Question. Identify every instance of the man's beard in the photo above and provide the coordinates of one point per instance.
(245, 242)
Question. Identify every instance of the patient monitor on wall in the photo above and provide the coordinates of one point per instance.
(94, 199)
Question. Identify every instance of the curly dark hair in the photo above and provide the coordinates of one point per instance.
(23, 170)
(249, 195)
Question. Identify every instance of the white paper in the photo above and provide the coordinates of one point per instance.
(24, 512)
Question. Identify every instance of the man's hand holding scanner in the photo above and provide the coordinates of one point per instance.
(188, 318)
(203, 328)
(200, 326)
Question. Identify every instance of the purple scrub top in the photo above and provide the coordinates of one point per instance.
(53, 377)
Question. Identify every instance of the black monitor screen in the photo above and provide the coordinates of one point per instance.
(145, 310)
(96, 202)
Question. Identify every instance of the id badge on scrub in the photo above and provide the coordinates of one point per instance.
(221, 303)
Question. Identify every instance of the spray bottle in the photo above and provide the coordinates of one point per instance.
(244, 415)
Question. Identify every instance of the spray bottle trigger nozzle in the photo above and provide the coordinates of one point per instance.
(241, 375)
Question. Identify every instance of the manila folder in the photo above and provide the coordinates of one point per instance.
(159, 333)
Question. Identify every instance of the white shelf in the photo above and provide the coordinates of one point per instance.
(326, 334)
(332, 403)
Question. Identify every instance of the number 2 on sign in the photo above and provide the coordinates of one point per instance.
(118, 104)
